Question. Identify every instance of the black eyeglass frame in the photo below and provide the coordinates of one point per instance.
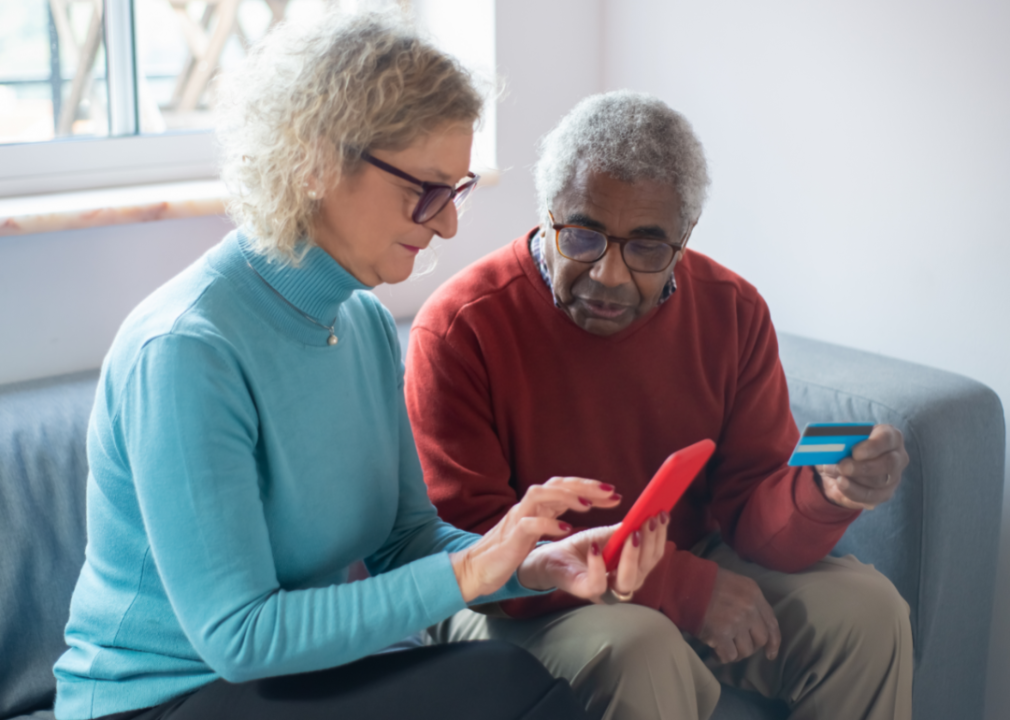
(432, 194)
(558, 227)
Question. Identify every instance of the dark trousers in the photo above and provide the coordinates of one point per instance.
(490, 680)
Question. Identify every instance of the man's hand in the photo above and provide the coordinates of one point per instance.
(871, 475)
(739, 621)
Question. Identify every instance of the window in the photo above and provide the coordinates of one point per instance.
(40, 44)
(99, 94)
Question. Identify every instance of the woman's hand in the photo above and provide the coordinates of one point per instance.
(575, 564)
(488, 564)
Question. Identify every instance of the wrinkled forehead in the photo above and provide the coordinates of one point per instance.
(617, 205)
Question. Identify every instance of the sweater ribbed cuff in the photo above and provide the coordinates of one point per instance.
(437, 587)
(814, 505)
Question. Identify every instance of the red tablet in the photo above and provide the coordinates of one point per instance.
(662, 493)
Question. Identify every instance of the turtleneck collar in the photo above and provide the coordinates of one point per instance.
(316, 287)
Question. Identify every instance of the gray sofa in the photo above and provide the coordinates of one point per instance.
(936, 540)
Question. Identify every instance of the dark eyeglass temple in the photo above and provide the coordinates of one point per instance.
(367, 157)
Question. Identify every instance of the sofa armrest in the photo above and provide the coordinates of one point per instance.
(937, 538)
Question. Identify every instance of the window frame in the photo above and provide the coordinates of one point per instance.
(122, 158)
(69, 165)
(125, 157)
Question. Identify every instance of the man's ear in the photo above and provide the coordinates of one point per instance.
(547, 224)
(687, 235)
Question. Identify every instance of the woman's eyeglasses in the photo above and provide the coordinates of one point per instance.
(640, 255)
(434, 196)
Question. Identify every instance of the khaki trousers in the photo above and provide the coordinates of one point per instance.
(846, 649)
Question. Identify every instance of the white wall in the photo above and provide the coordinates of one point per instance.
(63, 295)
(860, 155)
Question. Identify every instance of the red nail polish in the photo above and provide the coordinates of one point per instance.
(565, 527)
(636, 538)
(606, 487)
(652, 523)
(616, 496)
(595, 549)
(585, 501)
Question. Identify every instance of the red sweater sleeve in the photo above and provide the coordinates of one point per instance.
(770, 513)
(450, 413)
(470, 481)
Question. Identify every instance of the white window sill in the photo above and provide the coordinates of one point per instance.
(125, 205)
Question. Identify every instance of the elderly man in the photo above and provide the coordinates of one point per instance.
(597, 344)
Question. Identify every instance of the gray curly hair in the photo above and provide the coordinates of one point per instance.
(308, 100)
(630, 136)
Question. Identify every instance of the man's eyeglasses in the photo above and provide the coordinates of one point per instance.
(434, 196)
(640, 255)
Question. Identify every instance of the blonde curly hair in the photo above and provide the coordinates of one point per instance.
(298, 113)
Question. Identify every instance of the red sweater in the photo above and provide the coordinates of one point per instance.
(505, 391)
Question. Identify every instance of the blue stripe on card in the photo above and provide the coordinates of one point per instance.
(849, 440)
(817, 458)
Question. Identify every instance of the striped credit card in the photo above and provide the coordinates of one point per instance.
(828, 443)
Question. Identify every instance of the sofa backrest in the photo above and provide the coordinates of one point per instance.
(43, 474)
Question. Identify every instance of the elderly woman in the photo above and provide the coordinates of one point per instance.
(249, 440)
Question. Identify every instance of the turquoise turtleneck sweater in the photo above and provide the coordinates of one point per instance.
(238, 465)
